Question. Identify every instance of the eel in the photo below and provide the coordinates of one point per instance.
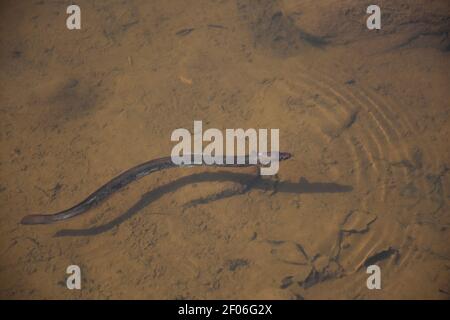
(126, 178)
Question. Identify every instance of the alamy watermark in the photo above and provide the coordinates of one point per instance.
(189, 149)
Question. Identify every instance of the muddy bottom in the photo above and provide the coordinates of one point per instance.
(364, 112)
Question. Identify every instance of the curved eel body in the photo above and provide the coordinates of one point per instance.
(124, 179)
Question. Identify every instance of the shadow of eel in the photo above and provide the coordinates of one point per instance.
(248, 181)
(129, 176)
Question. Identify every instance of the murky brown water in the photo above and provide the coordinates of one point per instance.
(365, 113)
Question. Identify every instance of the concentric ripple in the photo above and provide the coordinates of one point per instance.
(372, 141)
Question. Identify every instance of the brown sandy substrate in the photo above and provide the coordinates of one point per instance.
(365, 113)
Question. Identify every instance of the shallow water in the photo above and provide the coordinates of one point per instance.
(365, 114)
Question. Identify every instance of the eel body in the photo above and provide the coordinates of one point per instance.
(126, 178)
